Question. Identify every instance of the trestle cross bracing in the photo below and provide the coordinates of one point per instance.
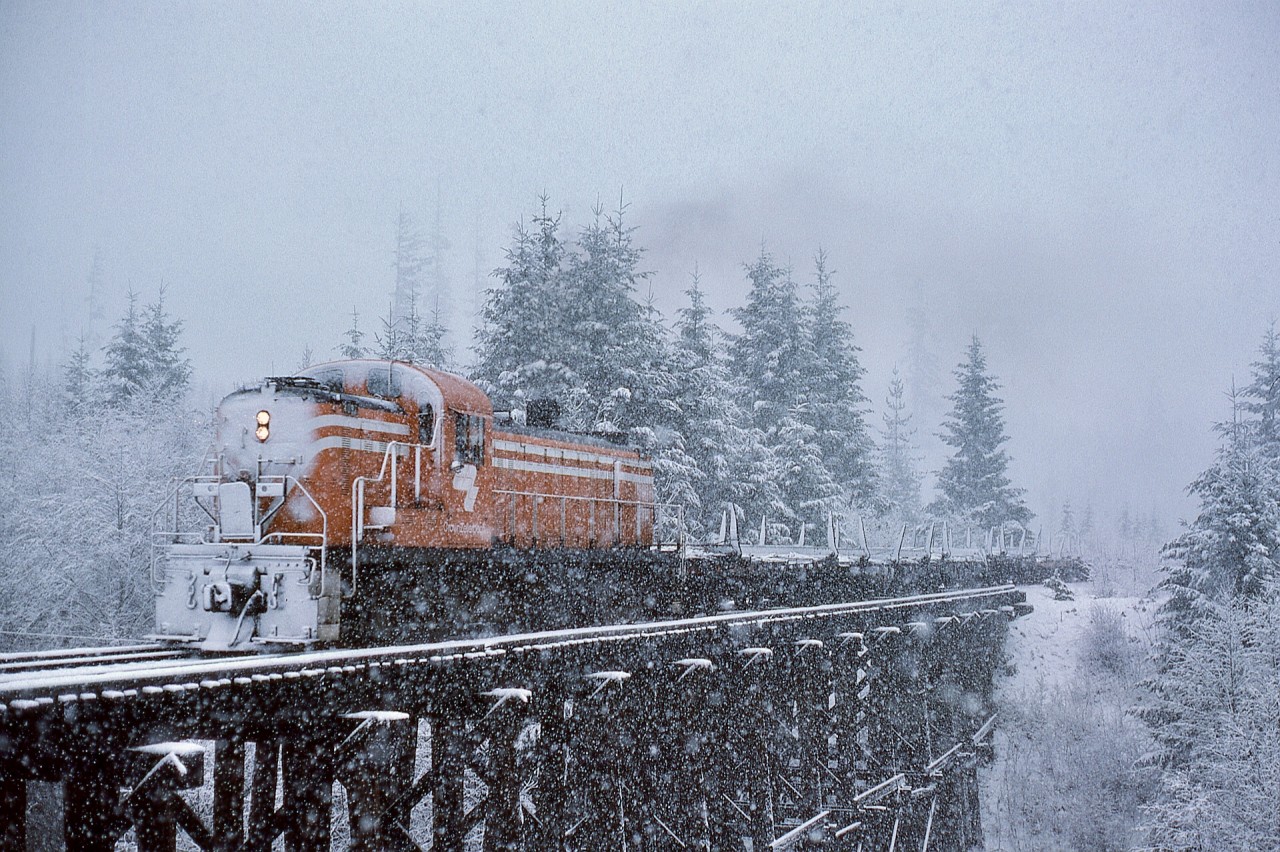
(855, 726)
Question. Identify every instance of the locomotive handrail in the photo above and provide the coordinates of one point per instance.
(176, 534)
(357, 495)
(176, 494)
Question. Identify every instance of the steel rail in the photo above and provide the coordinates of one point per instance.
(83, 660)
(25, 690)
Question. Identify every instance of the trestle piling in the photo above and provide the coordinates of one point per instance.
(850, 727)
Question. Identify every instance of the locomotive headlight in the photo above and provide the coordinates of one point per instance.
(264, 426)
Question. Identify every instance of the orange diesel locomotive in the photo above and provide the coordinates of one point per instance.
(369, 500)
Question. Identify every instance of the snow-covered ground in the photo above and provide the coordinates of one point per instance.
(1043, 649)
(1062, 776)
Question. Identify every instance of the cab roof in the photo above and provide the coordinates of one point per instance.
(458, 393)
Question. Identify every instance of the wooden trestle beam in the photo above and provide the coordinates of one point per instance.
(857, 732)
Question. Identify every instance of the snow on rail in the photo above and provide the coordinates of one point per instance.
(29, 690)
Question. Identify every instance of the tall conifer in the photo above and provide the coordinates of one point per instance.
(899, 477)
(835, 405)
(974, 482)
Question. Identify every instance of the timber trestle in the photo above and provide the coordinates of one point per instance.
(847, 727)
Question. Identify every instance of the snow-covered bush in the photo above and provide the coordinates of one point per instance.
(1105, 645)
(1061, 591)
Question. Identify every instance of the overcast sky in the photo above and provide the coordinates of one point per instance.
(1093, 189)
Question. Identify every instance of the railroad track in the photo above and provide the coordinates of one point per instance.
(64, 658)
(119, 673)
(815, 684)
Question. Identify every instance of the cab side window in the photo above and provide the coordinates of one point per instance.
(426, 424)
(331, 379)
(468, 438)
(384, 382)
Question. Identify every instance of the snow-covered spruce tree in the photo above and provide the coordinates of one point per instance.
(144, 356)
(408, 264)
(169, 372)
(716, 455)
(564, 323)
(393, 342)
(836, 406)
(79, 379)
(520, 345)
(1232, 548)
(414, 339)
(770, 359)
(352, 345)
(899, 477)
(1214, 713)
(127, 366)
(1212, 706)
(1262, 395)
(613, 344)
(772, 362)
(429, 341)
(974, 482)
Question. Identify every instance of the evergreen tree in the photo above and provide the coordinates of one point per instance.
(1232, 548)
(1067, 532)
(565, 323)
(168, 372)
(1212, 701)
(144, 357)
(974, 483)
(396, 340)
(899, 478)
(79, 378)
(769, 359)
(126, 364)
(352, 345)
(429, 346)
(520, 344)
(408, 264)
(416, 340)
(772, 361)
(1213, 712)
(612, 344)
(836, 405)
(717, 459)
(1262, 395)
(808, 489)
